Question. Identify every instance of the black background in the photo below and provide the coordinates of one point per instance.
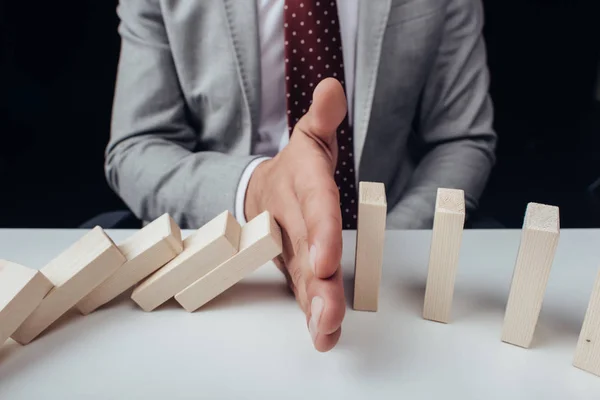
(57, 72)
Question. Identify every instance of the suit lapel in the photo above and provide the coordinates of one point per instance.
(243, 27)
(372, 20)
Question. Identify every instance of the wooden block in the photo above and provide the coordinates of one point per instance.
(146, 251)
(75, 272)
(22, 289)
(587, 353)
(370, 235)
(260, 242)
(203, 250)
(448, 224)
(539, 239)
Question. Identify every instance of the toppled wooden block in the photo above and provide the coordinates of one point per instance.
(587, 353)
(74, 273)
(260, 242)
(539, 239)
(203, 250)
(446, 240)
(370, 235)
(22, 289)
(146, 251)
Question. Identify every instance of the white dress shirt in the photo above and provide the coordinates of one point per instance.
(272, 135)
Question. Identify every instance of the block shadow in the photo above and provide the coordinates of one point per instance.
(553, 326)
(125, 298)
(349, 290)
(367, 342)
(244, 292)
(58, 325)
(49, 342)
(247, 293)
(168, 305)
(412, 294)
(7, 350)
(114, 303)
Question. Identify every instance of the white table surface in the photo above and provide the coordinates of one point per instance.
(252, 341)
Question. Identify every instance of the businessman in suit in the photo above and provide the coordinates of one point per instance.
(284, 105)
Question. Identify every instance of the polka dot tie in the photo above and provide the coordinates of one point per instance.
(313, 52)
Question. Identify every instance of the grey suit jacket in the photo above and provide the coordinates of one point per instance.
(187, 102)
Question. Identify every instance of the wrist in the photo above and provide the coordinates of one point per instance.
(242, 189)
(253, 204)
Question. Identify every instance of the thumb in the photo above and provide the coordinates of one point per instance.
(325, 114)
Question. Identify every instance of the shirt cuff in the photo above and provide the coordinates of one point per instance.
(240, 198)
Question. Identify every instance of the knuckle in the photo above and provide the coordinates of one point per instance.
(335, 222)
(326, 190)
(332, 191)
(298, 243)
(295, 275)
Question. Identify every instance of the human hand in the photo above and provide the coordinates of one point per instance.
(298, 188)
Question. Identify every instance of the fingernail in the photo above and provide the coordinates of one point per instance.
(316, 308)
(312, 258)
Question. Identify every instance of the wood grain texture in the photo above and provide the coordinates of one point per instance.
(539, 240)
(74, 273)
(446, 241)
(370, 236)
(260, 242)
(146, 251)
(203, 250)
(587, 353)
(22, 289)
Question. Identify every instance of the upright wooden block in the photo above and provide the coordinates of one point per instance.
(587, 353)
(260, 242)
(21, 291)
(203, 250)
(448, 224)
(75, 272)
(370, 235)
(539, 239)
(146, 251)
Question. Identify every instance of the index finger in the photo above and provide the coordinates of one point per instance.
(316, 189)
(320, 205)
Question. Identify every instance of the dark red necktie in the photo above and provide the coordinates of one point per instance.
(313, 52)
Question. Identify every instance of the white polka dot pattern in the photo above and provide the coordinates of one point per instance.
(313, 52)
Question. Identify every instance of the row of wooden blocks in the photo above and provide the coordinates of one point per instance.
(539, 240)
(160, 265)
(155, 259)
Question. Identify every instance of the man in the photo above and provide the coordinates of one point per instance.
(394, 91)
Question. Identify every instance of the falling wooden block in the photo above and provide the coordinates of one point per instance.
(75, 272)
(203, 250)
(587, 353)
(260, 242)
(370, 235)
(448, 224)
(146, 251)
(21, 291)
(539, 239)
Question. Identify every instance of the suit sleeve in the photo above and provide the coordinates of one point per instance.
(151, 162)
(454, 124)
